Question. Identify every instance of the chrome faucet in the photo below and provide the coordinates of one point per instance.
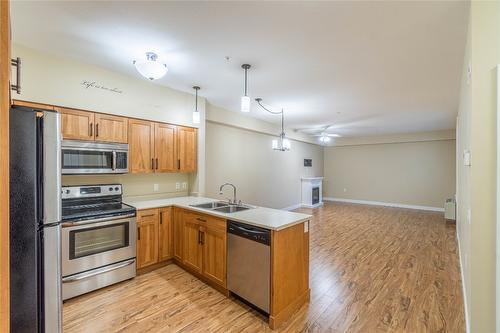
(234, 192)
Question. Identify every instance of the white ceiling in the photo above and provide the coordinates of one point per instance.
(366, 67)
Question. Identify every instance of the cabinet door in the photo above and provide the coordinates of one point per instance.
(192, 245)
(165, 148)
(140, 146)
(178, 233)
(147, 237)
(110, 128)
(214, 254)
(76, 124)
(165, 235)
(186, 145)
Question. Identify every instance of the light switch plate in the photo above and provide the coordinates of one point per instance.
(156, 187)
(184, 185)
(466, 157)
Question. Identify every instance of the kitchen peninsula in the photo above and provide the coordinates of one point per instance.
(172, 230)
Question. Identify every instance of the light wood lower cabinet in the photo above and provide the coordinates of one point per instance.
(154, 236)
(165, 236)
(147, 238)
(204, 245)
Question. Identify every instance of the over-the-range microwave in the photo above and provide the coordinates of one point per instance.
(84, 157)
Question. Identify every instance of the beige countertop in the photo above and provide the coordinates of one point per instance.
(274, 219)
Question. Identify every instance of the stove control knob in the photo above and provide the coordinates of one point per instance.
(67, 191)
(111, 189)
(116, 188)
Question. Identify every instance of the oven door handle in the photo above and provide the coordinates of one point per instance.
(113, 167)
(86, 275)
(104, 219)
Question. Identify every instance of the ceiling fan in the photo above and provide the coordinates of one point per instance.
(321, 133)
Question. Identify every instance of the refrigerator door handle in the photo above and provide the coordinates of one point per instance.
(51, 171)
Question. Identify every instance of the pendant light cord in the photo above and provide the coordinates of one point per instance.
(282, 113)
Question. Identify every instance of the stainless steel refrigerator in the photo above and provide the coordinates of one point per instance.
(35, 215)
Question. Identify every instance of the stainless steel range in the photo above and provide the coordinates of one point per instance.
(98, 238)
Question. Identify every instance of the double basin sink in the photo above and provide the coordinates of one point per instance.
(222, 206)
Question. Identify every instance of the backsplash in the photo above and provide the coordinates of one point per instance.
(137, 186)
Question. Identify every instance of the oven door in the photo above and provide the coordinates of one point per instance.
(80, 157)
(91, 244)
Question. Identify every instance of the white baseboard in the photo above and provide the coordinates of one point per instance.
(292, 207)
(388, 204)
(312, 206)
(464, 292)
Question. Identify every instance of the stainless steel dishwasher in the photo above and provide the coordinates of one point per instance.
(249, 263)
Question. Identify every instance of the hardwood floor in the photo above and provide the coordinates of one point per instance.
(373, 269)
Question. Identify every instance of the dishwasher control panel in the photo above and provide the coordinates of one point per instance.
(256, 234)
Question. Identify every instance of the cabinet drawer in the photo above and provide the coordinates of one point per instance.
(147, 215)
(207, 221)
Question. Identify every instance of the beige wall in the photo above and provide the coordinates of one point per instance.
(463, 176)
(477, 184)
(136, 186)
(263, 176)
(410, 173)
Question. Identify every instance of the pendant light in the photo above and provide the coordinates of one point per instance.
(282, 143)
(151, 68)
(196, 113)
(245, 100)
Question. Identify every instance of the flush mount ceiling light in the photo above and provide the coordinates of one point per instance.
(282, 143)
(245, 100)
(196, 113)
(151, 68)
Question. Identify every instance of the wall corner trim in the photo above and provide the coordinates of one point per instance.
(464, 292)
(387, 204)
(296, 206)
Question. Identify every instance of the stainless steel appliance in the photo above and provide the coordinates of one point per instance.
(249, 263)
(84, 157)
(98, 238)
(35, 215)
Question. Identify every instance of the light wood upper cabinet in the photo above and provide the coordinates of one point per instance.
(192, 254)
(165, 237)
(214, 253)
(147, 238)
(110, 128)
(141, 146)
(90, 126)
(76, 124)
(159, 147)
(165, 148)
(32, 105)
(186, 145)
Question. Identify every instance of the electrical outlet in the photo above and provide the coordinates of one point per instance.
(184, 185)
(345, 190)
(156, 187)
(469, 216)
(177, 186)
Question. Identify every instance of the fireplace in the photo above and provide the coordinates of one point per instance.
(312, 192)
(315, 195)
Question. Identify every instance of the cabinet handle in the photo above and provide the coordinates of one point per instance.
(97, 130)
(199, 237)
(178, 164)
(138, 233)
(157, 163)
(200, 219)
(90, 129)
(202, 238)
(161, 218)
(149, 215)
(16, 87)
(153, 163)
